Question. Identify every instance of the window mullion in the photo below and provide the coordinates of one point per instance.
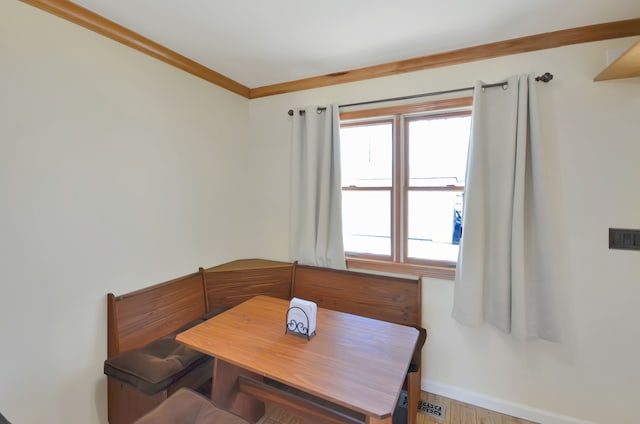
(405, 187)
(399, 185)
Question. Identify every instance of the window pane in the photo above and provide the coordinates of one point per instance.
(434, 225)
(438, 151)
(366, 221)
(366, 155)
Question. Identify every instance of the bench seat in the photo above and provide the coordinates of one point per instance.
(156, 366)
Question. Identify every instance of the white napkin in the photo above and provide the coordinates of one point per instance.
(296, 308)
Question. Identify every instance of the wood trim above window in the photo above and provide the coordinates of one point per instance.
(94, 22)
(425, 106)
(547, 40)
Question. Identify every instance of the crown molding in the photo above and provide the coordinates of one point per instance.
(94, 22)
(548, 40)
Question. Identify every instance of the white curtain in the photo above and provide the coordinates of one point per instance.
(316, 194)
(502, 276)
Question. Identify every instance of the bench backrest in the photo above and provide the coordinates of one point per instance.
(232, 283)
(393, 299)
(137, 318)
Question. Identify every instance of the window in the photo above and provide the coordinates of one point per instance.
(403, 173)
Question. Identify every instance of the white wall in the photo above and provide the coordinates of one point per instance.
(592, 151)
(117, 171)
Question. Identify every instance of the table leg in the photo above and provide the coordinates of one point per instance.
(225, 393)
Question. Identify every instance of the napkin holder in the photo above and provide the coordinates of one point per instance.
(301, 318)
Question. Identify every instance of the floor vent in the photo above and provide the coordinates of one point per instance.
(432, 409)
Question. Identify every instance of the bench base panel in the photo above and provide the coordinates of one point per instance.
(126, 404)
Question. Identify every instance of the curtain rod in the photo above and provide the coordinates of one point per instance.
(546, 77)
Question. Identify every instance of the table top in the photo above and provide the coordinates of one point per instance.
(359, 363)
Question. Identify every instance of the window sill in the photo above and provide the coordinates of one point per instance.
(421, 270)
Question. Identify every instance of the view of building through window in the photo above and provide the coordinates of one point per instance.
(403, 185)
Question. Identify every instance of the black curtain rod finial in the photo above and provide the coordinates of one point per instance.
(546, 77)
(301, 111)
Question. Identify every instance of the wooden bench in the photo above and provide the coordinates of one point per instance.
(139, 319)
(145, 316)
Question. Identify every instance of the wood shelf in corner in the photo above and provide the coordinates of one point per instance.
(625, 66)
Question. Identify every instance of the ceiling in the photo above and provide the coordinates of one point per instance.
(259, 43)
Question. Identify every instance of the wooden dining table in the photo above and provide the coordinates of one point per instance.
(355, 363)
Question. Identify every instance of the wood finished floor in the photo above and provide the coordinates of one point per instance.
(456, 413)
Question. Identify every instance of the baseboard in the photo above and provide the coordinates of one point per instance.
(499, 405)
